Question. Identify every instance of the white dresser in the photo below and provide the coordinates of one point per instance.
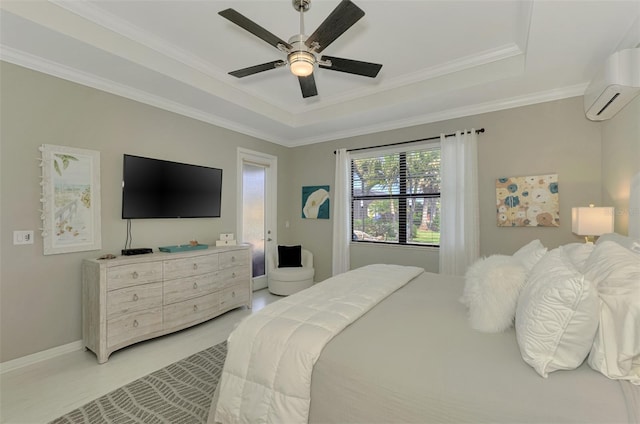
(134, 298)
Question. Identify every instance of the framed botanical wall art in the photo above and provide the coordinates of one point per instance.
(315, 202)
(70, 199)
(528, 201)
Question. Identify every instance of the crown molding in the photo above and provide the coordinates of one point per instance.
(492, 106)
(471, 61)
(120, 26)
(134, 33)
(39, 64)
(68, 18)
(17, 57)
(457, 65)
(105, 19)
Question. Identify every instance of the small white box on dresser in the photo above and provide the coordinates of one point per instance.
(226, 236)
(225, 243)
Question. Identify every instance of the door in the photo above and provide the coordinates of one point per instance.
(257, 208)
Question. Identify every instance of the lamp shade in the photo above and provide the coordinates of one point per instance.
(592, 221)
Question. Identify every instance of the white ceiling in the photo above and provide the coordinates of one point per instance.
(442, 59)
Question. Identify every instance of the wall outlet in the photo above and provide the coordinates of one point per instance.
(23, 237)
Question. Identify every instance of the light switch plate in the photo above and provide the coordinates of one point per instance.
(23, 237)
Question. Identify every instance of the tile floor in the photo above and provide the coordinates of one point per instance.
(44, 391)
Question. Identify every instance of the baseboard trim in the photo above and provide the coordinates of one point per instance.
(260, 286)
(34, 358)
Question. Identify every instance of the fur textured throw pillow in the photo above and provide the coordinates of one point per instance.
(491, 290)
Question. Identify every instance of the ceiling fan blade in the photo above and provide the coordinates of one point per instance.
(341, 19)
(308, 86)
(366, 69)
(255, 29)
(245, 72)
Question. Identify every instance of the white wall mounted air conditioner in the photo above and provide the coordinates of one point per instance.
(617, 83)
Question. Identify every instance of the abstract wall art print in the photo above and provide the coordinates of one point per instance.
(70, 199)
(315, 202)
(528, 201)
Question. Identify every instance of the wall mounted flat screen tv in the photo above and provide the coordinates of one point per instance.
(154, 188)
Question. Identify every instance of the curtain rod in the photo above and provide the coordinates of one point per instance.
(481, 130)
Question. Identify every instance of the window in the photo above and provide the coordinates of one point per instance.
(395, 196)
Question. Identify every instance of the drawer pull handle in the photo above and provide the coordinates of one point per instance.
(195, 308)
(195, 266)
(233, 259)
(233, 275)
(195, 286)
(135, 322)
(135, 297)
(233, 294)
(135, 274)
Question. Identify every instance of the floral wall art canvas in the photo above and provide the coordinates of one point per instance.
(528, 201)
(315, 202)
(70, 199)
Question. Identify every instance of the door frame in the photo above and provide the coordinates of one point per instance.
(270, 163)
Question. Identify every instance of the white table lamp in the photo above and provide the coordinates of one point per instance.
(591, 222)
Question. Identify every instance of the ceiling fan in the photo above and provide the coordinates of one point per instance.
(302, 50)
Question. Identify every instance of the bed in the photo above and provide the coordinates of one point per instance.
(413, 357)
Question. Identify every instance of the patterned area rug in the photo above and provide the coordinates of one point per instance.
(179, 393)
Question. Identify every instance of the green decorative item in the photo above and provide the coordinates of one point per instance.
(315, 202)
(183, 248)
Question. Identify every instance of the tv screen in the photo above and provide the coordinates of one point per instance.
(154, 188)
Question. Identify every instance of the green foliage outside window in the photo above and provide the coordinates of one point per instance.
(391, 189)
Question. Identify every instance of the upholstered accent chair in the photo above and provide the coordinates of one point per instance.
(290, 279)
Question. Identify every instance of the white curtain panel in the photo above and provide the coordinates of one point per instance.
(459, 213)
(342, 213)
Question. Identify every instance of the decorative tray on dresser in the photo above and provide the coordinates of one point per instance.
(134, 298)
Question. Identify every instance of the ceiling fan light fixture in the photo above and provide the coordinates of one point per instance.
(301, 63)
(303, 51)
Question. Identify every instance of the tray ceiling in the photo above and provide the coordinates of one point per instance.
(442, 59)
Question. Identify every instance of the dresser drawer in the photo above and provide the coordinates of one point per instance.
(234, 296)
(133, 274)
(129, 327)
(233, 276)
(234, 258)
(200, 308)
(187, 288)
(133, 299)
(185, 267)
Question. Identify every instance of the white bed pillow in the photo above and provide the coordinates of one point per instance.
(624, 241)
(616, 348)
(578, 254)
(492, 287)
(530, 254)
(557, 315)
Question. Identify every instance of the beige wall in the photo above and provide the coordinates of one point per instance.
(546, 138)
(620, 162)
(40, 295)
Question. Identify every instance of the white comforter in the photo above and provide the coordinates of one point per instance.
(267, 373)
